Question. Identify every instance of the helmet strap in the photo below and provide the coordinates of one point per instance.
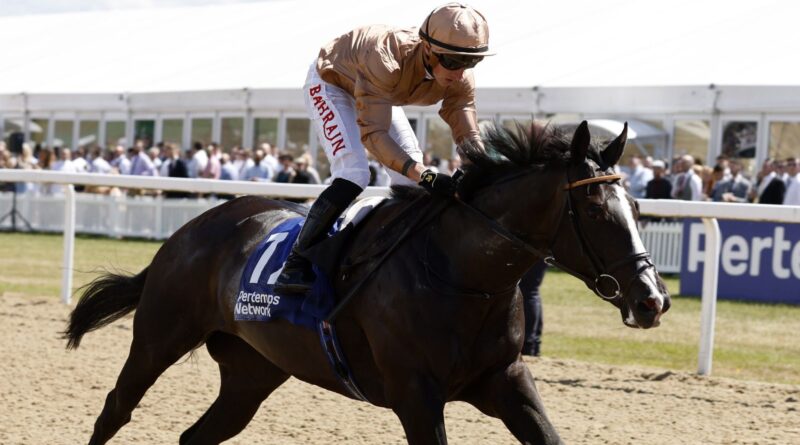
(428, 59)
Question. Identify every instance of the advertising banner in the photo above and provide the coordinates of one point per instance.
(759, 261)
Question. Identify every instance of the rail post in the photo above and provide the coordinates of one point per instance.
(69, 243)
(708, 310)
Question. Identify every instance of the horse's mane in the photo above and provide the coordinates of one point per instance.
(505, 151)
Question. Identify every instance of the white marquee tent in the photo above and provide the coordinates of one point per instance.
(656, 60)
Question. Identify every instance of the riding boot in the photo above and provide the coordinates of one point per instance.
(297, 276)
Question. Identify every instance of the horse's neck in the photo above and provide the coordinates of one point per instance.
(483, 259)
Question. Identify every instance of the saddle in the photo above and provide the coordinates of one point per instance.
(351, 246)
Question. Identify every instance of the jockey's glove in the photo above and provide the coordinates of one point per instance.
(438, 183)
(458, 175)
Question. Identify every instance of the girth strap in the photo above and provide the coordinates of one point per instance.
(333, 350)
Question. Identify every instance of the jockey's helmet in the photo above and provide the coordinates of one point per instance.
(456, 29)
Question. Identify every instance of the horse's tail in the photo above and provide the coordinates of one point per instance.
(106, 299)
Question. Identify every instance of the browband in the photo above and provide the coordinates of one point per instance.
(606, 178)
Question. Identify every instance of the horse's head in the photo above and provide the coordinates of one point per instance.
(579, 214)
(598, 239)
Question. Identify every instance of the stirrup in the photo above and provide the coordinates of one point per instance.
(296, 278)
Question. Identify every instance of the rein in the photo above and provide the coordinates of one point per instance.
(601, 274)
(422, 218)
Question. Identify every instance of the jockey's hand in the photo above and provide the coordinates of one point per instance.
(438, 183)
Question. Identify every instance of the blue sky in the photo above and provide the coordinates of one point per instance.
(25, 7)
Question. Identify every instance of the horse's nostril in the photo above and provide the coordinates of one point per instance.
(650, 305)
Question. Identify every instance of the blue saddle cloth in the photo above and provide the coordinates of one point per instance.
(257, 300)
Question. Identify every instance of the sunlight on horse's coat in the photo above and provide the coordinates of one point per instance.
(626, 211)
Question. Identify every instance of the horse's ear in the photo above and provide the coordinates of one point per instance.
(613, 152)
(580, 142)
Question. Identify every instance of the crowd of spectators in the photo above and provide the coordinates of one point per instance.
(166, 159)
(778, 181)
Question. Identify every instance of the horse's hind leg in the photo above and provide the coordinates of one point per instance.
(247, 379)
(511, 396)
(159, 340)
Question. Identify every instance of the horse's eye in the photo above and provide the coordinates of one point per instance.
(594, 211)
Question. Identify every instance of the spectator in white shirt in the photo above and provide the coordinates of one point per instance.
(154, 153)
(79, 160)
(198, 159)
(270, 158)
(120, 161)
(64, 165)
(163, 169)
(638, 177)
(792, 196)
(98, 164)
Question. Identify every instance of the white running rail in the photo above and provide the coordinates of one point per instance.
(155, 217)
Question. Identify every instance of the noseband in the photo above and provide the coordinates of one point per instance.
(601, 274)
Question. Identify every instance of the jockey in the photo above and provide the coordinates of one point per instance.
(354, 92)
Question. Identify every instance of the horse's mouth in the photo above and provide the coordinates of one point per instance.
(633, 325)
(630, 321)
(636, 325)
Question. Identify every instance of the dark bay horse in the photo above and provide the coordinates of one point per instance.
(440, 320)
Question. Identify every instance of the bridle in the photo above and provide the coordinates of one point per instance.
(601, 272)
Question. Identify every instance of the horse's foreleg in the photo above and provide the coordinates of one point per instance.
(511, 396)
(247, 379)
(421, 411)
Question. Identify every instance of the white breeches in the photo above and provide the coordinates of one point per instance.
(333, 112)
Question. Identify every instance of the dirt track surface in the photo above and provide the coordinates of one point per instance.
(51, 396)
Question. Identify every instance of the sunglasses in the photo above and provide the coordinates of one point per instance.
(454, 62)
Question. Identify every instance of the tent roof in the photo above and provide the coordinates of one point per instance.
(636, 129)
(570, 43)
